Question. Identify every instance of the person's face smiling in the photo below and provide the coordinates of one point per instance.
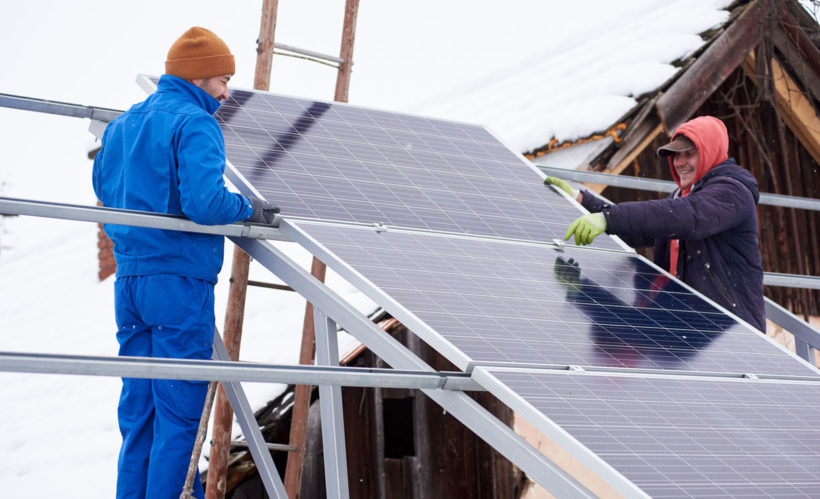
(686, 166)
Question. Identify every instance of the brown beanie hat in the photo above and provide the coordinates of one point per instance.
(199, 53)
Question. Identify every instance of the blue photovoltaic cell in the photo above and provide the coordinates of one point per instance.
(691, 437)
(340, 162)
(514, 303)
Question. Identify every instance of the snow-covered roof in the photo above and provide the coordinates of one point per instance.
(580, 85)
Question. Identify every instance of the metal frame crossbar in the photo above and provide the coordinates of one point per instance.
(650, 184)
(218, 370)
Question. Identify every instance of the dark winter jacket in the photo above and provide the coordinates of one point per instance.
(167, 155)
(717, 228)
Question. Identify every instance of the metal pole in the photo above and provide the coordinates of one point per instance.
(332, 412)
(98, 214)
(61, 108)
(301, 396)
(234, 315)
(650, 184)
(250, 428)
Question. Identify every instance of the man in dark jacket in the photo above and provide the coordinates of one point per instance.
(166, 154)
(705, 233)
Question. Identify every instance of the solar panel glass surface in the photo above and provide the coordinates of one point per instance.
(692, 437)
(340, 162)
(514, 303)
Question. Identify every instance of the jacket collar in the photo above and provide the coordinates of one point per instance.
(728, 168)
(176, 85)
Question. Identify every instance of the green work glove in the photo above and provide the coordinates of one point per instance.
(561, 184)
(586, 228)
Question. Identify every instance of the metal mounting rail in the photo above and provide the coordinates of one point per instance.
(219, 370)
(103, 114)
(806, 338)
(791, 280)
(649, 184)
(98, 214)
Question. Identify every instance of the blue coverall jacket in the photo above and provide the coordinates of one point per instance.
(167, 155)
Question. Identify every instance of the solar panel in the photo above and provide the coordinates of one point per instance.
(681, 436)
(341, 162)
(490, 294)
(502, 302)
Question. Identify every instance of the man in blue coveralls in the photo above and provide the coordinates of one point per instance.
(167, 154)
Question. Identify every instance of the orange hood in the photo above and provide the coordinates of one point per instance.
(711, 140)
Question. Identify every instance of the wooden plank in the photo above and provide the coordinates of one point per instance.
(346, 52)
(797, 111)
(695, 86)
(216, 486)
(808, 75)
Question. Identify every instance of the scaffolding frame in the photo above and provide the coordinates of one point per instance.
(329, 310)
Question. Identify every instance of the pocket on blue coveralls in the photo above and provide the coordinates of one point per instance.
(180, 310)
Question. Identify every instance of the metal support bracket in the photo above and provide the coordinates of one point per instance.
(330, 405)
(244, 415)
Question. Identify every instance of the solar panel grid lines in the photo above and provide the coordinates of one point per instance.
(506, 303)
(340, 162)
(679, 436)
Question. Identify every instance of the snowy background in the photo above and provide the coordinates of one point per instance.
(529, 70)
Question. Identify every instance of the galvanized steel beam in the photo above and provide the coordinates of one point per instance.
(649, 184)
(98, 214)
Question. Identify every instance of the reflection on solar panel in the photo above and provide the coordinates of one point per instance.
(485, 301)
(679, 437)
(340, 162)
(514, 303)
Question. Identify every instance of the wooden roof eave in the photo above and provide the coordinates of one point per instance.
(710, 70)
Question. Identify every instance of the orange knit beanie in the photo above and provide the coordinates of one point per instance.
(199, 53)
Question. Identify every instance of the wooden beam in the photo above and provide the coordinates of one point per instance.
(217, 483)
(797, 111)
(346, 52)
(701, 80)
(802, 68)
(301, 396)
(792, 28)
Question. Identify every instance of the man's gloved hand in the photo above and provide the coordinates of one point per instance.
(263, 211)
(586, 228)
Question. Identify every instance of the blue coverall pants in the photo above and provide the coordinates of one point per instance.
(161, 316)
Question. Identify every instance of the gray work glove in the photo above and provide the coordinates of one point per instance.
(263, 211)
